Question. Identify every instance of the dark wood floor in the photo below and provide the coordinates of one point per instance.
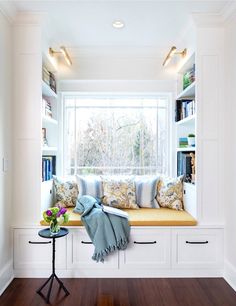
(125, 292)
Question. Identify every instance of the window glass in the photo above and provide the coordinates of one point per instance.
(115, 135)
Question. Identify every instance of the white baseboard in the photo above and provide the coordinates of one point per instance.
(230, 274)
(128, 273)
(6, 276)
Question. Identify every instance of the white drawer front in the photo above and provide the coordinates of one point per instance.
(198, 248)
(148, 249)
(37, 256)
(80, 251)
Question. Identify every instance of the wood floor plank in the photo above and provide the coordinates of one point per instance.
(105, 300)
(218, 291)
(124, 292)
(195, 294)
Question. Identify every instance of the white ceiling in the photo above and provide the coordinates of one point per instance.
(86, 24)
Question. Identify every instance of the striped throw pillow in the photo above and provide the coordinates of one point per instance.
(146, 191)
(90, 185)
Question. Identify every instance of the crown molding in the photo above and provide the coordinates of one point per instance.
(208, 20)
(8, 10)
(229, 11)
(217, 19)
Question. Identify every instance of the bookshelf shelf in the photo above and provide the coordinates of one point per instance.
(49, 149)
(189, 119)
(47, 91)
(188, 92)
(47, 119)
(188, 149)
(190, 185)
(47, 182)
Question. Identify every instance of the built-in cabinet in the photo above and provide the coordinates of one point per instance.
(152, 251)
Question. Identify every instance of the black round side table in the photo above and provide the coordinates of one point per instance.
(45, 233)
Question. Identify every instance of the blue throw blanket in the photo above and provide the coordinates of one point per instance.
(108, 232)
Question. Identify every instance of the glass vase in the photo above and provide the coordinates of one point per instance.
(54, 227)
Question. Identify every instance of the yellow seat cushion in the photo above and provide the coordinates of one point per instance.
(145, 217)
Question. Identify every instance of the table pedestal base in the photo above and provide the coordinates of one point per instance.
(50, 279)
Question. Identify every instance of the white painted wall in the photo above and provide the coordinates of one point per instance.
(5, 152)
(114, 66)
(230, 153)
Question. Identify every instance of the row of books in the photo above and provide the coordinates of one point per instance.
(46, 108)
(185, 165)
(189, 77)
(48, 167)
(184, 109)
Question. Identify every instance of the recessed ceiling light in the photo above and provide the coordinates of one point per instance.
(118, 24)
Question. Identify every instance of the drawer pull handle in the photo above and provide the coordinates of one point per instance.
(38, 242)
(197, 242)
(86, 242)
(145, 242)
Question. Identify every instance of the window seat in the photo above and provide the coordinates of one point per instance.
(145, 217)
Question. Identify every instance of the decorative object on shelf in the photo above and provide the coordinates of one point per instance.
(183, 142)
(191, 140)
(46, 107)
(55, 217)
(44, 137)
(49, 78)
(189, 77)
(193, 168)
(173, 52)
(52, 83)
(46, 75)
(62, 51)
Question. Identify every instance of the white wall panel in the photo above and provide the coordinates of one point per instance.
(27, 119)
(209, 96)
(27, 96)
(209, 181)
(27, 181)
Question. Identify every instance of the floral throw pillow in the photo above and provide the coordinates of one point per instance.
(66, 192)
(170, 192)
(119, 192)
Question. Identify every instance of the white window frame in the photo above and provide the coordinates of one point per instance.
(117, 95)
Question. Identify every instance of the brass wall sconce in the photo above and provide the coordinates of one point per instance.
(62, 51)
(173, 52)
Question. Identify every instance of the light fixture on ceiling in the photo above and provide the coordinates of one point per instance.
(118, 24)
(62, 51)
(173, 52)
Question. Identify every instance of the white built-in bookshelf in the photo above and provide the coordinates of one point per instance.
(185, 124)
(49, 130)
